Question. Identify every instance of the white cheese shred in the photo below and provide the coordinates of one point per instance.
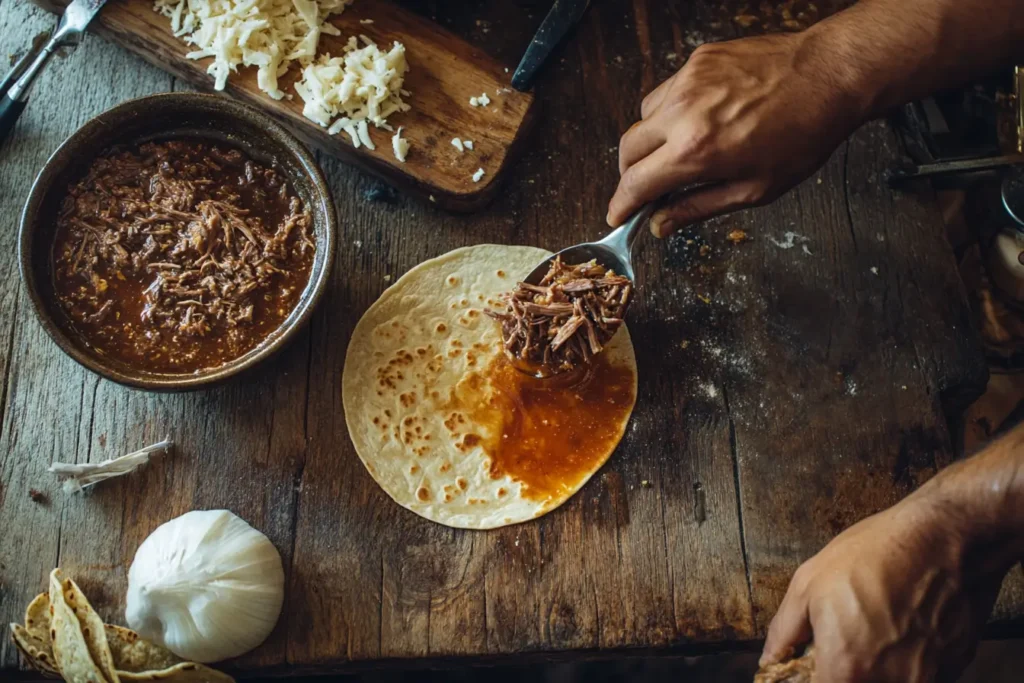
(399, 145)
(468, 144)
(79, 476)
(363, 86)
(481, 101)
(457, 144)
(478, 175)
(267, 34)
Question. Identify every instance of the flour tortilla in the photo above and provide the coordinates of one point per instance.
(434, 308)
(70, 649)
(185, 672)
(133, 657)
(33, 639)
(38, 652)
(92, 629)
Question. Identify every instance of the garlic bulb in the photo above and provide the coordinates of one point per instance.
(206, 585)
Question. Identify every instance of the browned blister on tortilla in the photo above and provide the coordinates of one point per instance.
(70, 649)
(33, 638)
(92, 630)
(36, 651)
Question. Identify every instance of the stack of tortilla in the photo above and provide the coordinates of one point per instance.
(63, 636)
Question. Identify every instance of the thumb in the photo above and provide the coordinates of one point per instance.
(693, 206)
(790, 629)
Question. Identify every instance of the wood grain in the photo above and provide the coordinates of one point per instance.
(768, 417)
(445, 72)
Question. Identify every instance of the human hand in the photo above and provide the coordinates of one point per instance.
(750, 117)
(896, 597)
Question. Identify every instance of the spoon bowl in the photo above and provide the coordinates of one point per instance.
(614, 252)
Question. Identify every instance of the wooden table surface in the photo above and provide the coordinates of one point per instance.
(788, 387)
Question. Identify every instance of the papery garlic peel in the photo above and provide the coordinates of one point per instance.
(206, 585)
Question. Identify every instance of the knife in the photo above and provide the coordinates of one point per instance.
(563, 16)
(16, 85)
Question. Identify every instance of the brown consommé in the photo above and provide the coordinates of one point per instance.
(180, 256)
(548, 434)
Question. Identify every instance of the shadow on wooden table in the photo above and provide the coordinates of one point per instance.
(997, 662)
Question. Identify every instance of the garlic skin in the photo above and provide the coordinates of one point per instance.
(206, 585)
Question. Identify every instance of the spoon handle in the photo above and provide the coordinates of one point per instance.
(622, 238)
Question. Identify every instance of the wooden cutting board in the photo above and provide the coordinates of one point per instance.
(445, 72)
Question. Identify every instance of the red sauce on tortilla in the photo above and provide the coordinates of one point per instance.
(548, 434)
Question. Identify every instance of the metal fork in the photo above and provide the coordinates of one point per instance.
(15, 87)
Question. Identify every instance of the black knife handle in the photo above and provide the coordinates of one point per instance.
(560, 19)
(10, 110)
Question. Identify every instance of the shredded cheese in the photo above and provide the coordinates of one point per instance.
(481, 101)
(345, 94)
(399, 145)
(478, 175)
(457, 143)
(267, 34)
(468, 144)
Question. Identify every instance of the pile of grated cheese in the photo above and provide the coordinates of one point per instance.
(268, 34)
(350, 92)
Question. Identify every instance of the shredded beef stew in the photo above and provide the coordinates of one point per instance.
(180, 256)
(565, 321)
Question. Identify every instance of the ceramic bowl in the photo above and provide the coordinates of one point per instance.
(158, 117)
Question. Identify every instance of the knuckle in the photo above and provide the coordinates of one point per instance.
(652, 97)
(800, 577)
(696, 141)
(701, 53)
(627, 140)
(701, 58)
(630, 183)
(800, 584)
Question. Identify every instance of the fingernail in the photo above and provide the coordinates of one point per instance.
(608, 220)
(663, 228)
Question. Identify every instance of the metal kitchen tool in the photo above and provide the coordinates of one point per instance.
(1018, 95)
(1012, 195)
(614, 252)
(563, 16)
(15, 87)
(899, 174)
(962, 138)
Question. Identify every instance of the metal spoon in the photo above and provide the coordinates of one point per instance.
(614, 252)
(15, 86)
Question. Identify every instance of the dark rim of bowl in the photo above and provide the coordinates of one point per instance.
(101, 128)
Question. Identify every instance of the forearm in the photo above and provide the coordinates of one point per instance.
(983, 496)
(883, 53)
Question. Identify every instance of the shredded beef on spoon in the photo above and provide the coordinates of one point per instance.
(565, 321)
